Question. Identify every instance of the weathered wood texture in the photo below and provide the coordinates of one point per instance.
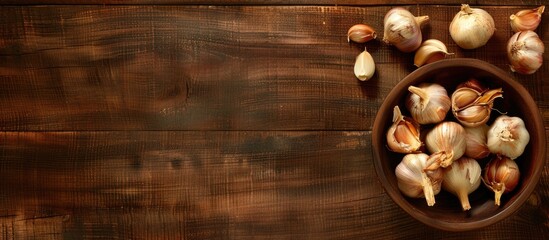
(212, 184)
(275, 2)
(68, 68)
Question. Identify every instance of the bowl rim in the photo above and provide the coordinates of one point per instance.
(407, 206)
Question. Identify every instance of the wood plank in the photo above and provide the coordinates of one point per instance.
(274, 2)
(70, 68)
(215, 184)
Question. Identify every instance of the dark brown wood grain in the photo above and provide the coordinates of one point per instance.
(213, 184)
(67, 68)
(185, 119)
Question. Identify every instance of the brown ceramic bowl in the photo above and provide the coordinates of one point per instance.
(447, 214)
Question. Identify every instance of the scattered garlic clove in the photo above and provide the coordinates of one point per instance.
(430, 51)
(413, 181)
(471, 27)
(402, 29)
(461, 179)
(364, 66)
(528, 19)
(403, 135)
(525, 52)
(361, 33)
(428, 103)
(501, 175)
(508, 136)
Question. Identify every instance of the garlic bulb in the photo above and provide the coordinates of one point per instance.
(428, 103)
(528, 19)
(461, 179)
(501, 175)
(402, 29)
(430, 51)
(403, 135)
(475, 139)
(446, 142)
(413, 181)
(472, 103)
(365, 66)
(508, 136)
(361, 33)
(471, 27)
(525, 52)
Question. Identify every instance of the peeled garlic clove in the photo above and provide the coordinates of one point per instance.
(361, 33)
(525, 52)
(413, 181)
(428, 103)
(461, 179)
(501, 175)
(508, 136)
(364, 66)
(430, 51)
(528, 19)
(471, 27)
(475, 139)
(446, 142)
(403, 29)
(403, 135)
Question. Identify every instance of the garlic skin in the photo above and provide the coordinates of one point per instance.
(403, 29)
(446, 142)
(475, 138)
(471, 27)
(527, 19)
(472, 103)
(365, 66)
(430, 51)
(501, 175)
(525, 52)
(428, 103)
(461, 179)
(403, 135)
(413, 181)
(361, 33)
(508, 136)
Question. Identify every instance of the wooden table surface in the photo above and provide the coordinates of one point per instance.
(214, 119)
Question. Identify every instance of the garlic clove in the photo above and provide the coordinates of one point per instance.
(361, 33)
(402, 29)
(403, 136)
(525, 52)
(364, 66)
(473, 115)
(464, 97)
(430, 51)
(528, 19)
